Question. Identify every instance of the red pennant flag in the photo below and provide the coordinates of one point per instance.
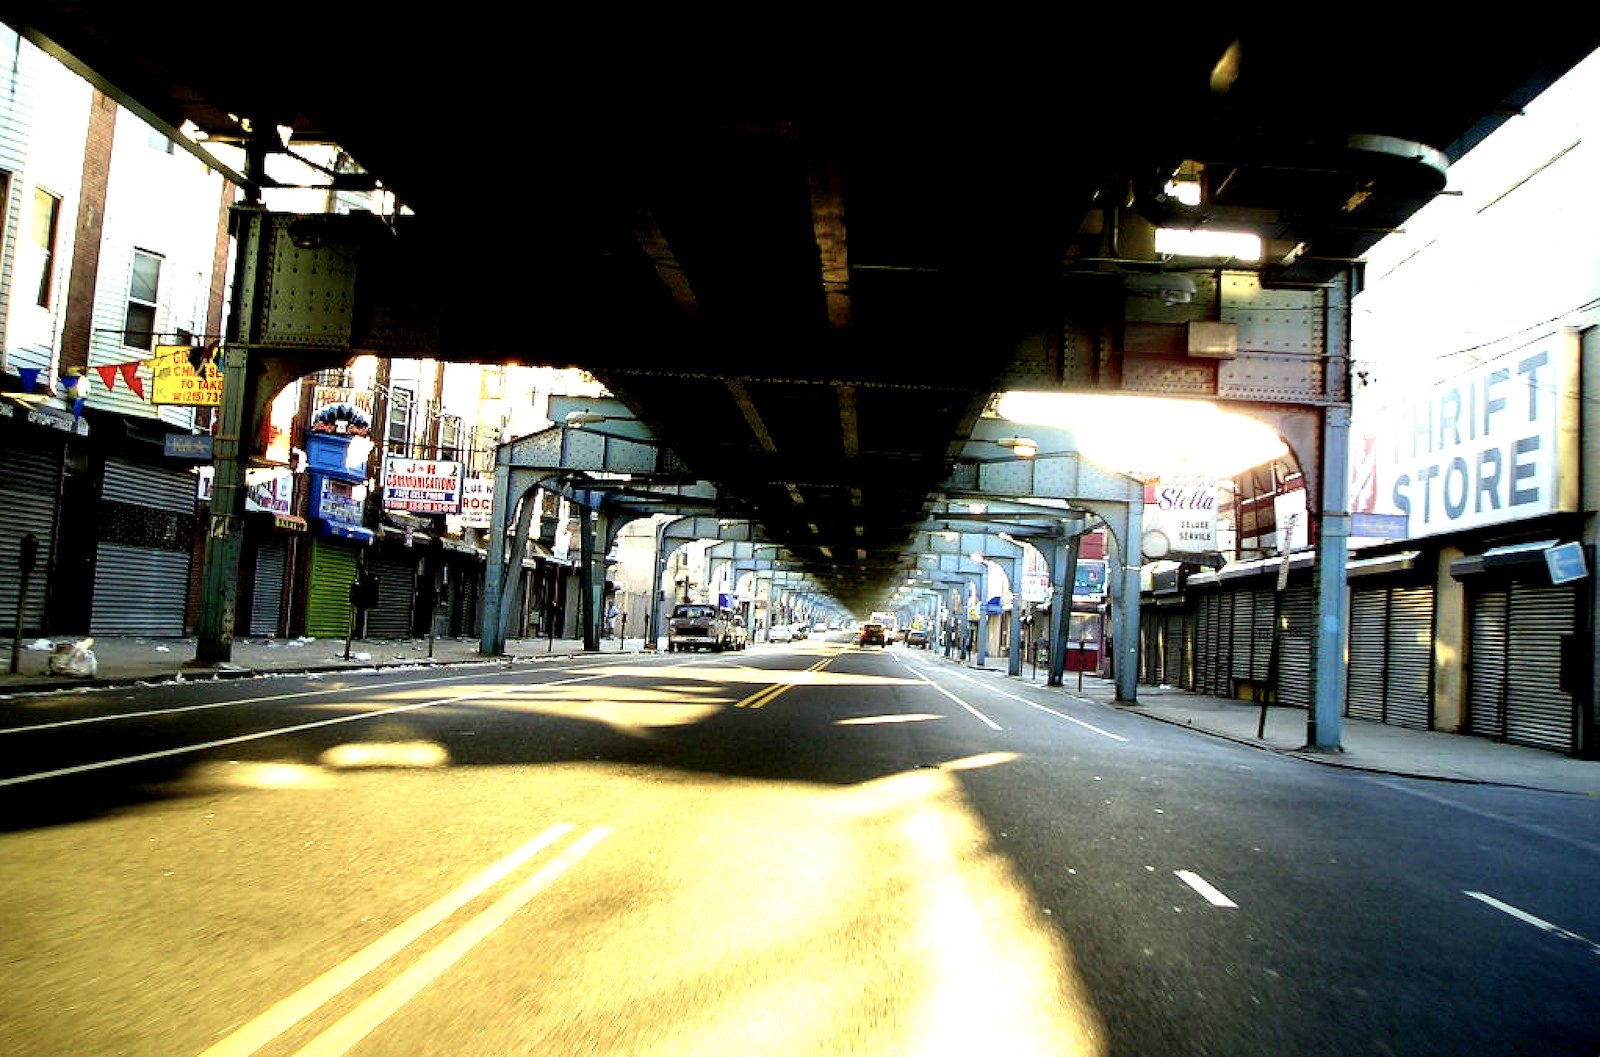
(130, 374)
(108, 375)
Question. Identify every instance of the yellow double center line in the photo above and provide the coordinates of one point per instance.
(761, 698)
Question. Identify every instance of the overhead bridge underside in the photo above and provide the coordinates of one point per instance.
(812, 308)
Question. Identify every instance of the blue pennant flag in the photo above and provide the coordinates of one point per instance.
(30, 378)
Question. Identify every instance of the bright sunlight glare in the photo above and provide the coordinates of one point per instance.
(1136, 434)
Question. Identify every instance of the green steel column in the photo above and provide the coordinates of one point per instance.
(225, 527)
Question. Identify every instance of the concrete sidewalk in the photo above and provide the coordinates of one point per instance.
(1367, 746)
(127, 660)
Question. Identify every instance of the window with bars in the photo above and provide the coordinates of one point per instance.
(144, 285)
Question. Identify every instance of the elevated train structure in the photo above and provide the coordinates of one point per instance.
(808, 310)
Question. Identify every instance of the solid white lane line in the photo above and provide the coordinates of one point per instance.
(361, 1021)
(1207, 891)
(1531, 827)
(1538, 923)
(1041, 708)
(181, 750)
(313, 996)
(991, 724)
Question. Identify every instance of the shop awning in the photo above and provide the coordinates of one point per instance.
(1561, 562)
(349, 532)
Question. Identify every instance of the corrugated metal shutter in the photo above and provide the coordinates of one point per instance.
(1391, 656)
(1295, 645)
(1488, 638)
(1262, 626)
(397, 585)
(151, 486)
(1369, 642)
(1242, 637)
(1538, 712)
(140, 590)
(1149, 645)
(1175, 638)
(29, 482)
(1409, 664)
(266, 603)
(333, 570)
(1216, 624)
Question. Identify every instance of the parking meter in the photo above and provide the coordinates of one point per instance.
(27, 557)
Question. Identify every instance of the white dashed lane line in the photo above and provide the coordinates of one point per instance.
(1207, 890)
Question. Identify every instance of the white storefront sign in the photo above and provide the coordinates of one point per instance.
(1486, 447)
(477, 503)
(422, 486)
(1180, 514)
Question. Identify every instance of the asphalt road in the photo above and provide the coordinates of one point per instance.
(806, 849)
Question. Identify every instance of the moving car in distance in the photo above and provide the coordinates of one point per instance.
(871, 634)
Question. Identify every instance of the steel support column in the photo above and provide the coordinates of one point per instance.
(225, 529)
(1323, 725)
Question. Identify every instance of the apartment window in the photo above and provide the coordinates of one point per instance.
(139, 326)
(449, 438)
(46, 219)
(400, 401)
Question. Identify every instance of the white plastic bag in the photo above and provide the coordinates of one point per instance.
(73, 658)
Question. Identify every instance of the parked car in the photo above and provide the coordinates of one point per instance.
(779, 633)
(917, 637)
(871, 635)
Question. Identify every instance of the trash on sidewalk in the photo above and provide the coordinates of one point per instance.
(73, 658)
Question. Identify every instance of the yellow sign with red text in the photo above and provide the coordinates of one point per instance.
(175, 381)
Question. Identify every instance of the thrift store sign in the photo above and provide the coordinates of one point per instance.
(1486, 447)
(422, 486)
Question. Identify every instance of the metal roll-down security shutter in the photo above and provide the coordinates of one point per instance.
(1369, 637)
(141, 573)
(1538, 711)
(334, 565)
(397, 586)
(1296, 641)
(1488, 635)
(1175, 648)
(1242, 639)
(1408, 689)
(266, 601)
(1213, 639)
(1514, 690)
(29, 481)
(1391, 656)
